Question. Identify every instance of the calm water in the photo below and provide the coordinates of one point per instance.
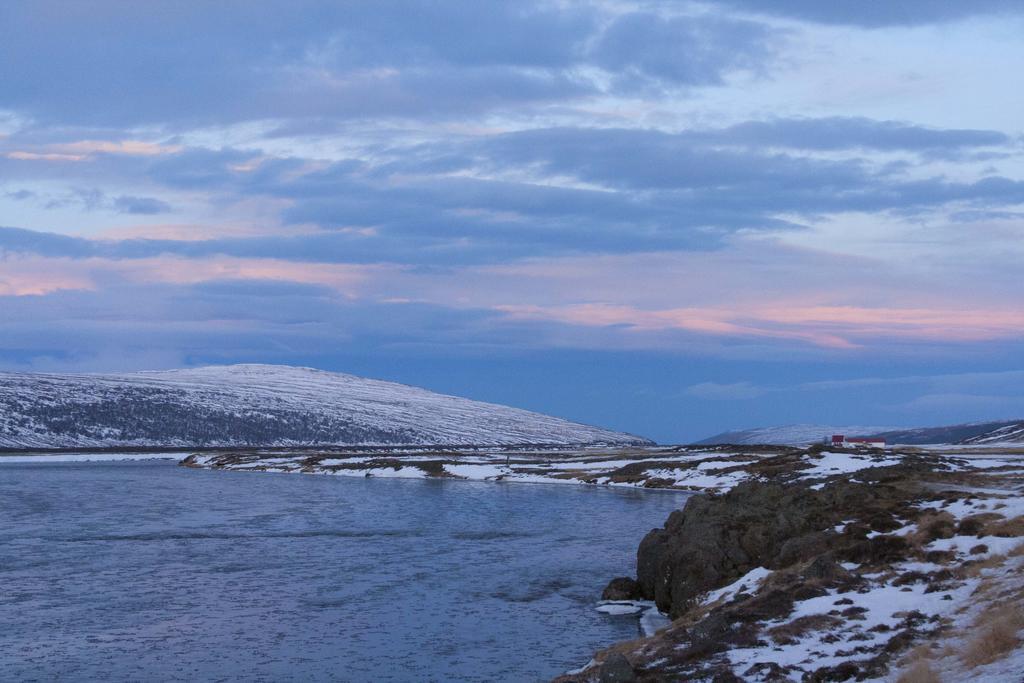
(149, 571)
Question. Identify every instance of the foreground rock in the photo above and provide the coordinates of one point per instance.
(623, 588)
(716, 540)
(841, 570)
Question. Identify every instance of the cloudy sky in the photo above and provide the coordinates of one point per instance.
(671, 218)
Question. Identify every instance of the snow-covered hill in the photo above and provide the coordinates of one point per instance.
(1007, 433)
(946, 434)
(260, 405)
(787, 435)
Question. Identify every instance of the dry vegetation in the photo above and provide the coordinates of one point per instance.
(788, 633)
(919, 672)
(974, 568)
(996, 635)
(1008, 528)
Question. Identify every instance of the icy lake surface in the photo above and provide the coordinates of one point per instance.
(148, 571)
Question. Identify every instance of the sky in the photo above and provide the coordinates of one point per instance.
(670, 218)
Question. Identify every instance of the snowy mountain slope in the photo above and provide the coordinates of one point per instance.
(1004, 433)
(262, 405)
(787, 435)
(958, 433)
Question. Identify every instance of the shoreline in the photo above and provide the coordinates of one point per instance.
(937, 533)
(907, 569)
(783, 617)
(675, 468)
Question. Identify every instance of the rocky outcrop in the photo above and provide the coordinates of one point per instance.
(616, 669)
(828, 567)
(715, 540)
(622, 588)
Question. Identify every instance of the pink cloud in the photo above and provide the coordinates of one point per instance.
(707, 321)
(754, 288)
(83, 150)
(21, 155)
(26, 277)
(745, 293)
(36, 275)
(127, 147)
(960, 324)
(194, 232)
(844, 327)
(345, 278)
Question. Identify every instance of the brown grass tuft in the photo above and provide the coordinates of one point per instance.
(1008, 528)
(978, 524)
(919, 672)
(789, 633)
(996, 635)
(973, 568)
(932, 524)
(984, 587)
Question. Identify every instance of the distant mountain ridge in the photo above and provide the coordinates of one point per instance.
(977, 433)
(786, 435)
(261, 405)
(1012, 432)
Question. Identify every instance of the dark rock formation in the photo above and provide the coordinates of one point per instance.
(622, 588)
(804, 531)
(616, 669)
(715, 540)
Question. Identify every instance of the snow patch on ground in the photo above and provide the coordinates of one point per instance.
(476, 472)
(392, 472)
(832, 463)
(747, 583)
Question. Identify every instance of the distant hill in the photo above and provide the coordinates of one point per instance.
(962, 433)
(787, 435)
(1012, 432)
(1003, 431)
(261, 405)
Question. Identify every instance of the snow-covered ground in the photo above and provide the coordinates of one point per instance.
(958, 585)
(645, 467)
(904, 589)
(831, 463)
(690, 469)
